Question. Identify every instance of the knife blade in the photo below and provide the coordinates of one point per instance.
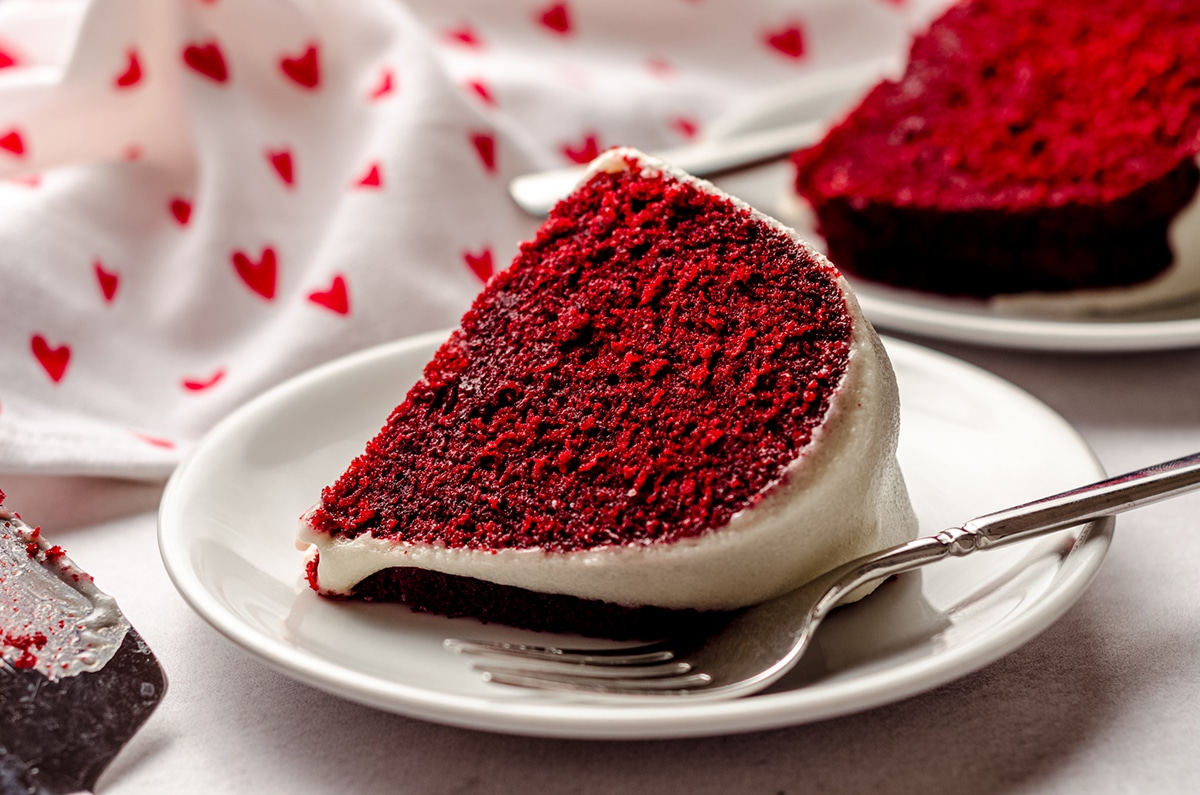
(76, 679)
(537, 193)
(792, 116)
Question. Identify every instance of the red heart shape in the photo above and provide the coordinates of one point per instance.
(182, 210)
(335, 299)
(258, 276)
(207, 60)
(788, 40)
(384, 87)
(685, 127)
(371, 179)
(302, 69)
(556, 18)
(108, 281)
(480, 88)
(585, 152)
(660, 67)
(7, 59)
(281, 159)
(157, 441)
(200, 384)
(464, 35)
(53, 360)
(485, 147)
(132, 74)
(480, 263)
(13, 142)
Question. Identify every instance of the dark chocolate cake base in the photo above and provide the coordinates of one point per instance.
(981, 253)
(453, 596)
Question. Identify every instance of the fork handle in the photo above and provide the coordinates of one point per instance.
(1058, 512)
(1104, 498)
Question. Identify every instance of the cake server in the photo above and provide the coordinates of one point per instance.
(757, 646)
(76, 679)
(537, 193)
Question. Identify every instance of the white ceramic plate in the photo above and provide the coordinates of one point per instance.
(970, 443)
(828, 95)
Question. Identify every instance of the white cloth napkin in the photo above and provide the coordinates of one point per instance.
(199, 199)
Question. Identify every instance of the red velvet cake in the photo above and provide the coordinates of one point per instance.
(667, 405)
(1031, 145)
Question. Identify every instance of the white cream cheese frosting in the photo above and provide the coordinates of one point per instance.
(78, 628)
(842, 497)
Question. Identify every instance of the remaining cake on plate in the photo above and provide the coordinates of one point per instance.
(667, 405)
(1031, 145)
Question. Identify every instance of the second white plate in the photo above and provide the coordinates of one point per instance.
(970, 443)
(828, 95)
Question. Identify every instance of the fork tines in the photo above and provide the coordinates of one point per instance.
(650, 668)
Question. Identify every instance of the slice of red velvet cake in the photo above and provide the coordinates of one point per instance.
(1031, 145)
(667, 405)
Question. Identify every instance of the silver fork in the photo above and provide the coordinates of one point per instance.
(757, 646)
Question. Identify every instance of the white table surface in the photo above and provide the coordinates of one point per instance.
(1106, 700)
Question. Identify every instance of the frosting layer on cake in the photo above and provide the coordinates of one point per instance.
(740, 446)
